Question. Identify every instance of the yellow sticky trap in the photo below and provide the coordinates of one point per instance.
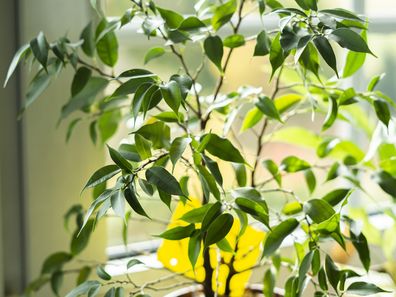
(173, 254)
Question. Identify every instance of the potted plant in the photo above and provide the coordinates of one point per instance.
(187, 135)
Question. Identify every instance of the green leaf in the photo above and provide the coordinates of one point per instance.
(310, 179)
(107, 47)
(88, 36)
(214, 169)
(254, 209)
(81, 237)
(288, 39)
(101, 175)
(191, 24)
(361, 246)
(277, 235)
(342, 13)
(118, 203)
(349, 39)
(277, 57)
(161, 178)
(209, 180)
(308, 4)
(80, 79)
(303, 270)
(211, 214)
(196, 215)
(223, 14)
(263, 44)
(285, 102)
(316, 262)
(55, 262)
(171, 18)
(233, 41)
(194, 247)
(223, 149)
(154, 52)
(292, 208)
(331, 114)
(224, 246)
(133, 262)
(269, 283)
(158, 133)
(20, 54)
(86, 96)
(386, 181)
(40, 47)
(374, 82)
(246, 192)
(273, 169)
(332, 272)
(318, 210)
(382, 111)
(172, 95)
(83, 274)
(364, 289)
(118, 159)
(101, 272)
(326, 51)
(177, 148)
(333, 172)
(336, 196)
(131, 198)
(84, 288)
(178, 233)
(354, 60)
(218, 229)
(143, 147)
(267, 107)
(108, 124)
(252, 118)
(240, 174)
(294, 164)
(214, 50)
(71, 127)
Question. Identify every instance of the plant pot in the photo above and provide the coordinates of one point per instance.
(255, 290)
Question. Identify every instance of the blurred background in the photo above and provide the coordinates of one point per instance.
(41, 175)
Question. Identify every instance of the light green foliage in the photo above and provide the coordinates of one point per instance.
(184, 132)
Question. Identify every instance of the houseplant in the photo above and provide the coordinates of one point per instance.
(179, 123)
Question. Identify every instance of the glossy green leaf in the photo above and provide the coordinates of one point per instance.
(19, 55)
(364, 289)
(218, 229)
(292, 208)
(83, 274)
(326, 51)
(177, 148)
(277, 235)
(386, 181)
(161, 178)
(102, 273)
(269, 283)
(158, 133)
(240, 174)
(107, 47)
(361, 246)
(277, 57)
(119, 160)
(101, 175)
(214, 50)
(263, 44)
(40, 47)
(196, 215)
(349, 39)
(308, 4)
(267, 107)
(131, 198)
(336, 196)
(223, 149)
(331, 114)
(81, 237)
(354, 60)
(194, 247)
(294, 164)
(246, 192)
(382, 110)
(88, 36)
(172, 18)
(118, 203)
(214, 169)
(223, 13)
(318, 210)
(80, 79)
(252, 118)
(178, 233)
(210, 180)
(273, 169)
(172, 95)
(374, 82)
(143, 147)
(211, 214)
(341, 13)
(253, 208)
(332, 272)
(233, 41)
(303, 270)
(153, 53)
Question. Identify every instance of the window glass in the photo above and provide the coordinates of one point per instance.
(380, 8)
